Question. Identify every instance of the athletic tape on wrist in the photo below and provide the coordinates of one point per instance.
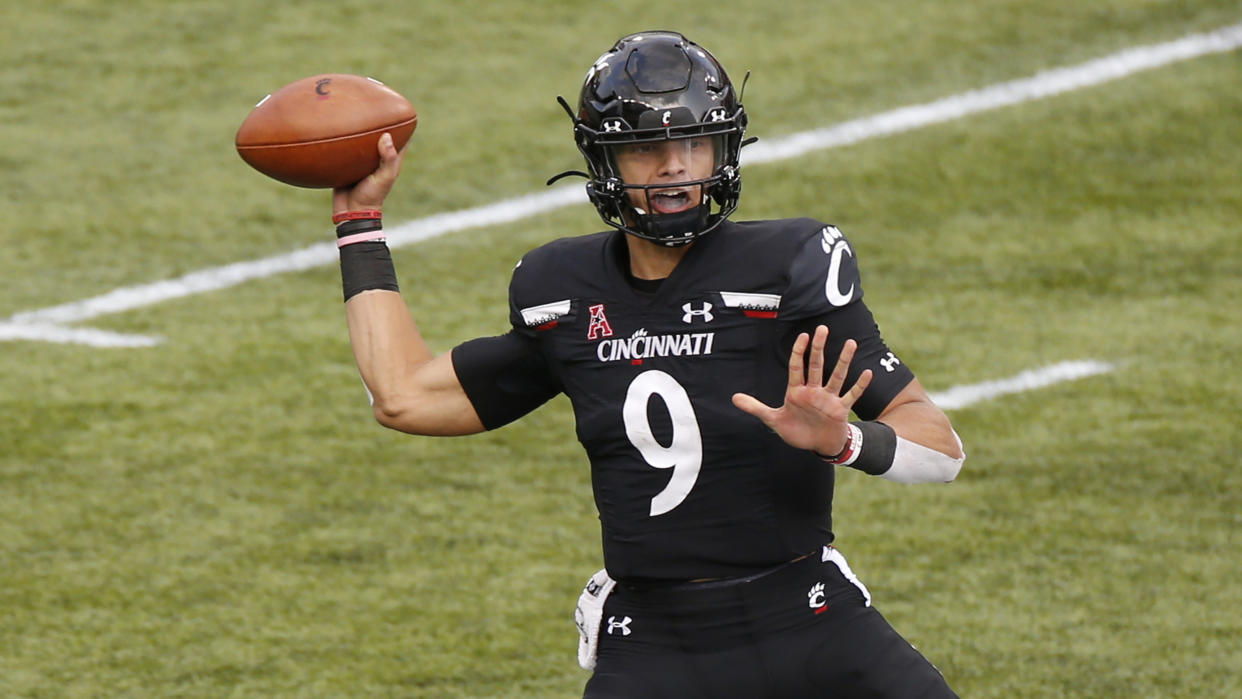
(366, 266)
(915, 463)
(879, 444)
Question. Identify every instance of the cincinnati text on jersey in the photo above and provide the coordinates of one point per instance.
(640, 345)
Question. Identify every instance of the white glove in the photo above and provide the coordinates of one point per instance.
(588, 615)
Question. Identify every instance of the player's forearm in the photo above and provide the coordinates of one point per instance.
(412, 390)
(922, 446)
(387, 346)
(923, 423)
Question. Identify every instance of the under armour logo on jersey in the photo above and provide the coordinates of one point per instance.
(890, 362)
(599, 324)
(816, 599)
(835, 244)
(623, 625)
(690, 312)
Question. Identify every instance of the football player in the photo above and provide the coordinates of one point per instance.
(712, 367)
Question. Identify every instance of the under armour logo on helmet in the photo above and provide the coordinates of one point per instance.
(717, 114)
(612, 125)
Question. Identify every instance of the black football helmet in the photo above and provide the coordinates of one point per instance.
(657, 86)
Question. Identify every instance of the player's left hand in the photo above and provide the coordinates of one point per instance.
(815, 415)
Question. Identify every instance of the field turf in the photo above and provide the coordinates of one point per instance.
(219, 516)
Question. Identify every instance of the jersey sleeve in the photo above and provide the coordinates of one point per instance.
(825, 288)
(823, 276)
(889, 375)
(505, 377)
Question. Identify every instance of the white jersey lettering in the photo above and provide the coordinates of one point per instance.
(643, 346)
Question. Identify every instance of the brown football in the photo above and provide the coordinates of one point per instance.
(322, 131)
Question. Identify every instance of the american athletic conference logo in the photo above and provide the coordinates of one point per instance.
(598, 325)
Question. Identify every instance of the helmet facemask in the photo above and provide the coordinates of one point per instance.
(666, 187)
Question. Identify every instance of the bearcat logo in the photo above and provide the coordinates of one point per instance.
(640, 346)
(816, 599)
(835, 245)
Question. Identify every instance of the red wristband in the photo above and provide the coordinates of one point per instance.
(356, 215)
(851, 450)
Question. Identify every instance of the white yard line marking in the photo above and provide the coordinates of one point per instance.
(43, 324)
(1044, 84)
(963, 396)
(46, 332)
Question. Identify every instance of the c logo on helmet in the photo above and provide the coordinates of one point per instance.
(668, 116)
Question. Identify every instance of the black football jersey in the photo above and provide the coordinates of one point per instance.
(687, 485)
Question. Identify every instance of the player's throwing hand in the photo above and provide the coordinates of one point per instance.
(815, 415)
(369, 194)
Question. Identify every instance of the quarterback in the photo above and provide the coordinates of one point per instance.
(713, 367)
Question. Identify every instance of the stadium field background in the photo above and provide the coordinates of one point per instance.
(217, 515)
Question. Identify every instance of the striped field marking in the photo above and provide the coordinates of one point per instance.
(963, 396)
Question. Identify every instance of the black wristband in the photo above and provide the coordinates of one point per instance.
(367, 266)
(359, 225)
(879, 445)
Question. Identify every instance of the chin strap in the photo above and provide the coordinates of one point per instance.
(675, 230)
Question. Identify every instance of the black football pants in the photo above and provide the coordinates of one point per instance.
(804, 630)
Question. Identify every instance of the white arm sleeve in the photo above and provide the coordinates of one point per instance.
(915, 463)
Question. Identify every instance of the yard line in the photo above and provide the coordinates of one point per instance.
(1044, 84)
(82, 336)
(963, 396)
(214, 278)
(43, 324)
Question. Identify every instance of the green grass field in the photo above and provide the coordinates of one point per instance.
(218, 515)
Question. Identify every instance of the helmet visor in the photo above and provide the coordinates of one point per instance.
(667, 175)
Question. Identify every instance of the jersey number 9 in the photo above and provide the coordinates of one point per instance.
(684, 454)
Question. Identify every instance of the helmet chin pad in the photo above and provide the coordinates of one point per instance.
(674, 230)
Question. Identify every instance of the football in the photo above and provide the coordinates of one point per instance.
(322, 131)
